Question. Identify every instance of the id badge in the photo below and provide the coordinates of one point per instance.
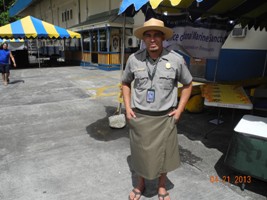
(150, 96)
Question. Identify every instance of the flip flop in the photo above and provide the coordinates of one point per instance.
(135, 194)
(163, 195)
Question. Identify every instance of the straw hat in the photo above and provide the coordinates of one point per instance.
(153, 24)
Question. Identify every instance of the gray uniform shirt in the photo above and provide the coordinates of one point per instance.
(170, 68)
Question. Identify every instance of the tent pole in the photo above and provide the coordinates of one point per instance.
(83, 62)
(122, 43)
(265, 65)
(38, 53)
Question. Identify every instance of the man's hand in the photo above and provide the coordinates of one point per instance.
(176, 114)
(130, 114)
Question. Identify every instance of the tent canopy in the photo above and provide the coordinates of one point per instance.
(30, 27)
(247, 12)
(11, 40)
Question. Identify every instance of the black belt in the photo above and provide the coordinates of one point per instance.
(153, 113)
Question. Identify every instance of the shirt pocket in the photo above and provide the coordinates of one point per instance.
(141, 80)
(166, 80)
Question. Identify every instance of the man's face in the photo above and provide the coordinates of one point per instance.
(153, 40)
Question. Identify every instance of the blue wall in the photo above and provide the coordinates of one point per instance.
(236, 64)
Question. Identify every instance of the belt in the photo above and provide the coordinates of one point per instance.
(153, 113)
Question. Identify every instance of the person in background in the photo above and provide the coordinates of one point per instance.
(5, 56)
(152, 107)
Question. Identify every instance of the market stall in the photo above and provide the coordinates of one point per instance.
(32, 28)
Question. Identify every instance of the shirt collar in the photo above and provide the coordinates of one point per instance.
(163, 55)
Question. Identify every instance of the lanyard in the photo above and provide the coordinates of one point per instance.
(151, 75)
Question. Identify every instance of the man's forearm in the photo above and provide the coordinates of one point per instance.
(126, 93)
(185, 94)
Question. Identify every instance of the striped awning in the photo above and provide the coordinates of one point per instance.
(247, 12)
(30, 27)
(11, 40)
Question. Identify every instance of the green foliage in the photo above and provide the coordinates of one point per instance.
(4, 12)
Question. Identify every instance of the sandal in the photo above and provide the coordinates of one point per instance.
(136, 194)
(163, 195)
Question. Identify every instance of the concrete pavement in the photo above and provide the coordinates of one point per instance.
(55, 143)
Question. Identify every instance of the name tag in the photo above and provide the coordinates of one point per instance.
(150, 96)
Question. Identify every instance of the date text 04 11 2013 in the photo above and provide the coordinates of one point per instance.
(228, 179)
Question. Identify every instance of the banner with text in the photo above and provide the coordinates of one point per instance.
(197, 41)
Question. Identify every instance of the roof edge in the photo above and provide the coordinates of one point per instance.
(19, 6)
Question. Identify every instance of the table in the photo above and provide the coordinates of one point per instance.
(225, 96)
(247, 151)
(43, 60)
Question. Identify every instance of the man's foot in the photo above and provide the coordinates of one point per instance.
(5, 83)
(135, 194)
(163, 194)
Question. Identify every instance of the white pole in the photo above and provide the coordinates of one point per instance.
(122, 43)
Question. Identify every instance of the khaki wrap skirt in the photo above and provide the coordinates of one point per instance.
(154, 145)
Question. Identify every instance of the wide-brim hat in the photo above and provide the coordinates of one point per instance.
(153, 24)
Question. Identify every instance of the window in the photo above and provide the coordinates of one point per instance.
(71, 14)
(86, 41)
(67, 15)
(103, 40)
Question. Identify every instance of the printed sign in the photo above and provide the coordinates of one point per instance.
(197, 42)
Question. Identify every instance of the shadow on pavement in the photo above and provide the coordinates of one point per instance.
(100, 129)
(16, 81)
(151, 186)
(196, 125)
(232, 178)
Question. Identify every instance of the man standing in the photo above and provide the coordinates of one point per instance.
(152, 107)
(5, 55)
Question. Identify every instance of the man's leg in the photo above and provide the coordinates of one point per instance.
(162, 192)
(136, 193)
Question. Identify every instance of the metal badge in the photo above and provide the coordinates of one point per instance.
(168, 65)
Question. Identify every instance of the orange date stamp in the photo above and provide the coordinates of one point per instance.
(229, 179)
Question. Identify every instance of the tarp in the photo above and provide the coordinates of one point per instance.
(247, 12)
(31, 27)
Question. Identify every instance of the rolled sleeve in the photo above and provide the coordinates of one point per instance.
(127, 75)
(185, 76)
